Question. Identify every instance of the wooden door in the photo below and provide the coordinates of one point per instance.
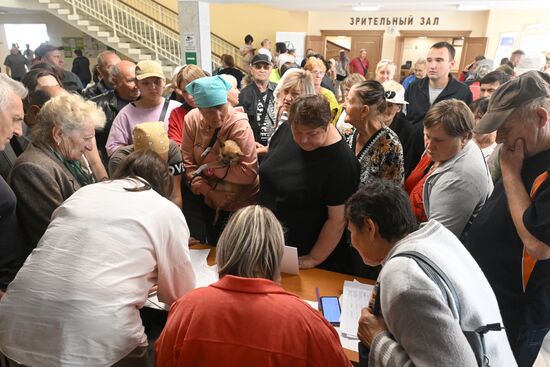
(473, 46)
(373, 45)
(316, 43)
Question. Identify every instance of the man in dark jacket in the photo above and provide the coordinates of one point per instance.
(81, 67)
(258, 102)
(123, 76)
(423, 93)
(105, 60)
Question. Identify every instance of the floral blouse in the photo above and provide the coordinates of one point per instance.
(381, 157)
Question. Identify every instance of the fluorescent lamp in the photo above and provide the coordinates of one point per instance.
(365, 7)
(472, 7)
(422, 37)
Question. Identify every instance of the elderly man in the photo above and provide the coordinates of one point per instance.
(105, 60)
(422, 94)
(125, 91)
(419, 72)
(54, 56)
(13, 249)
(510, 237)
(258, 102)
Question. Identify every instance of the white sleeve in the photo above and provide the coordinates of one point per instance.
(175, 273)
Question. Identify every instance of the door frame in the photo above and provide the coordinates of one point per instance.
(348, 33)
(400, 40)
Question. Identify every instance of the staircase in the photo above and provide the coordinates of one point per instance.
(139, 29)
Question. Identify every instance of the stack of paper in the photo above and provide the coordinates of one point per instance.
(356, 296)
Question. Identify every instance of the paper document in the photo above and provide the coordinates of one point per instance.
(204, 274)
(289, 264)
(356, 296)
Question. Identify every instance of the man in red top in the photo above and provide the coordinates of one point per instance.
(360, 64)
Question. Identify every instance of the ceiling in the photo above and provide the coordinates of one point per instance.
(395, 5)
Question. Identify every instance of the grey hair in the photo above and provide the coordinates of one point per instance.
(114, 72)
(292, 78)
(421, 61)
(525, 111)
(9, 86)
(99, 59)
(251, 245)
(231, 79)
(68, 112)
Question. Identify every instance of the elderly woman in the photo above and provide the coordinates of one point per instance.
(418, 318)
(175, 123)
(451, 182)
(306, 178)
(50, 169)
(345, 128)
(76, 300)
(295, 83)
(219, 154)
(228, 319)
(233, 93)
(151, 106)
(393, 118)
(317, 68)
(376, 146)
(385, 70)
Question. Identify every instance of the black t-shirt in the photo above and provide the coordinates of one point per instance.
(298, 186)
(265, 119)
(13, 250)
(494, 243)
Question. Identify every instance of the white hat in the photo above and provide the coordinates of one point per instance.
(395, 93)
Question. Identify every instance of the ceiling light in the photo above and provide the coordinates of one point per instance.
(472, 7)
(365, 7)
(422, 37)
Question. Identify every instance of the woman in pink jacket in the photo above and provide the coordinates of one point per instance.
(219, 154)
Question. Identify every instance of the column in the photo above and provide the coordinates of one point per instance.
(194, 25)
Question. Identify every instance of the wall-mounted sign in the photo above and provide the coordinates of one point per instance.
(394, 21)
(191, 58)
(189, 43)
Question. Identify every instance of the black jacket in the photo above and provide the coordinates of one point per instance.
(418, 96)
(248, 99)
(111, 105)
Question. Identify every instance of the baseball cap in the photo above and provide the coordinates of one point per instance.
(209, 91)
(395, 93)
(261, 58)
(46, 48)
(151, 136)
(148, 69)
(511, 95)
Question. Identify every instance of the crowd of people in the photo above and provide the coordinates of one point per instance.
(436, 187)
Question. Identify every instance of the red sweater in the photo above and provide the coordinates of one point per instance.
(247, 322)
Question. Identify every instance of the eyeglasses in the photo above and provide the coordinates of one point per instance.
(262, 66)
(318, 73)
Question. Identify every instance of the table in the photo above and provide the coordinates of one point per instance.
(303, 285)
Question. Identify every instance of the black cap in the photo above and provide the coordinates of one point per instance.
(46, 48)
(261, 58)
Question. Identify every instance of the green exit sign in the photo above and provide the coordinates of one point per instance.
(191, 58)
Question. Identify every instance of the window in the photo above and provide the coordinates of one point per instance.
(22, 34)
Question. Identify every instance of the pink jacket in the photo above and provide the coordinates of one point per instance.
(197, 136)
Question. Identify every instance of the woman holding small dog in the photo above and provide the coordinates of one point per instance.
(219, 154)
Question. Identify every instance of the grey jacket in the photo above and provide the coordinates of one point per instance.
(41, 183)
(455, 192)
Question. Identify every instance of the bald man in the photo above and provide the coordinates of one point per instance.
(105, 61)
(123, 77)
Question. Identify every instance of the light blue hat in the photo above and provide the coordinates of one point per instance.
(209, 91)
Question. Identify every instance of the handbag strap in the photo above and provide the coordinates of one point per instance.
(164, 109)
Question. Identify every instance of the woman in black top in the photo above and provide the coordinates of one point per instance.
(306, 178)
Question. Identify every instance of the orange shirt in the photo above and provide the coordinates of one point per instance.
(415, 187)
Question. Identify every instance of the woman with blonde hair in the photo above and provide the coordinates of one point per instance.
(385, 70)
(50, 169)
(176, 123)
(318, 68)
(229, 317)
(294, 83)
